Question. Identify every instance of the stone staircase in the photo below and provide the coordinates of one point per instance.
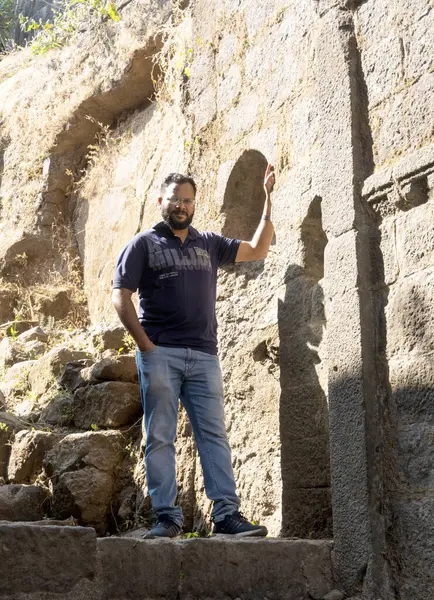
(72, 563)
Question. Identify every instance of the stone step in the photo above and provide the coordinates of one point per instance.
(71, 563)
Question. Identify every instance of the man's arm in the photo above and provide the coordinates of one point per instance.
(257, 248)
(124, 306)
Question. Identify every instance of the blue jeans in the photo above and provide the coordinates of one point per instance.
(166, 375)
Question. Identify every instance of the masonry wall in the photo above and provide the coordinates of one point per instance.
(399, 87)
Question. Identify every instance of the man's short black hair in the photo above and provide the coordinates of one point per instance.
(177, 178)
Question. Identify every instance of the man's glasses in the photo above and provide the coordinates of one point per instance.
(173, 201)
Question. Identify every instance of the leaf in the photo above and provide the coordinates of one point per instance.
(112, 11)
(187, 71)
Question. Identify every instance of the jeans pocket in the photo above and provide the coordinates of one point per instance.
(144, 354)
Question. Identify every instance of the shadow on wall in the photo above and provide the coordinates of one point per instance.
(243, 204)
(306, 494)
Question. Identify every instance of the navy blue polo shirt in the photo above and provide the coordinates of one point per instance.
(177, 284)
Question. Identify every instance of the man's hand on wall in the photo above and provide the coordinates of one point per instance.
(269, 179)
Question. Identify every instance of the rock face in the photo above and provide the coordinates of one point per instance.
(326, 346)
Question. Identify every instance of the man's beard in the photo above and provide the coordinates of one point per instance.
(172, 221)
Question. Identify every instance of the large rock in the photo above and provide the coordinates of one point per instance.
(83, 469)
(119, 368)
(59, 411)
(36, 333)
(11, 421)
(12, 352)
(27, 453)
(109, 339)
(110, 404)
(9, 424)
(22, 502)
(43, 375)
(16, 380)
(71, 377)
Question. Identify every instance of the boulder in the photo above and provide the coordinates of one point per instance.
(109, 404)
(23, 502)
(14, 351)
(16, 379)
(8, 425)
(119, 368)
(11, 421)
(43, 375)
(71, 377)
(111, 338)
(34, 334)
(27, 453)
(59, 411)
(83, 468)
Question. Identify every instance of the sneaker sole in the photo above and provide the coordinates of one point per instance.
(240, 535)
(161, 537)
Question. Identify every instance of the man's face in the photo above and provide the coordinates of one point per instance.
(177, 205)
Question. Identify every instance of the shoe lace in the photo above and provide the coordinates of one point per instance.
(240, 517)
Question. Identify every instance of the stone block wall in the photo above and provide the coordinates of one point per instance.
(404, 210)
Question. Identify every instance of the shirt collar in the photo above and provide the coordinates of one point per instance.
(163, 229)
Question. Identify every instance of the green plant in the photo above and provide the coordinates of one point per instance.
(191, 534)
(94, 427)
(7, 14)
(66, 21)
(129, 343)
(12, 331)
(32, 396)
(3, 426)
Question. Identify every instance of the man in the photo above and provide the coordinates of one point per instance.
(175, 269)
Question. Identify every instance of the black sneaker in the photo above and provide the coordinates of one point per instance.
(238, 526)
(164, 528)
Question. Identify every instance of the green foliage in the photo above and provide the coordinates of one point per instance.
(191, 534)
(7, 12)
(12, 331)
(94, 427)
(3, 426)
(129, 343)
(66, 21)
